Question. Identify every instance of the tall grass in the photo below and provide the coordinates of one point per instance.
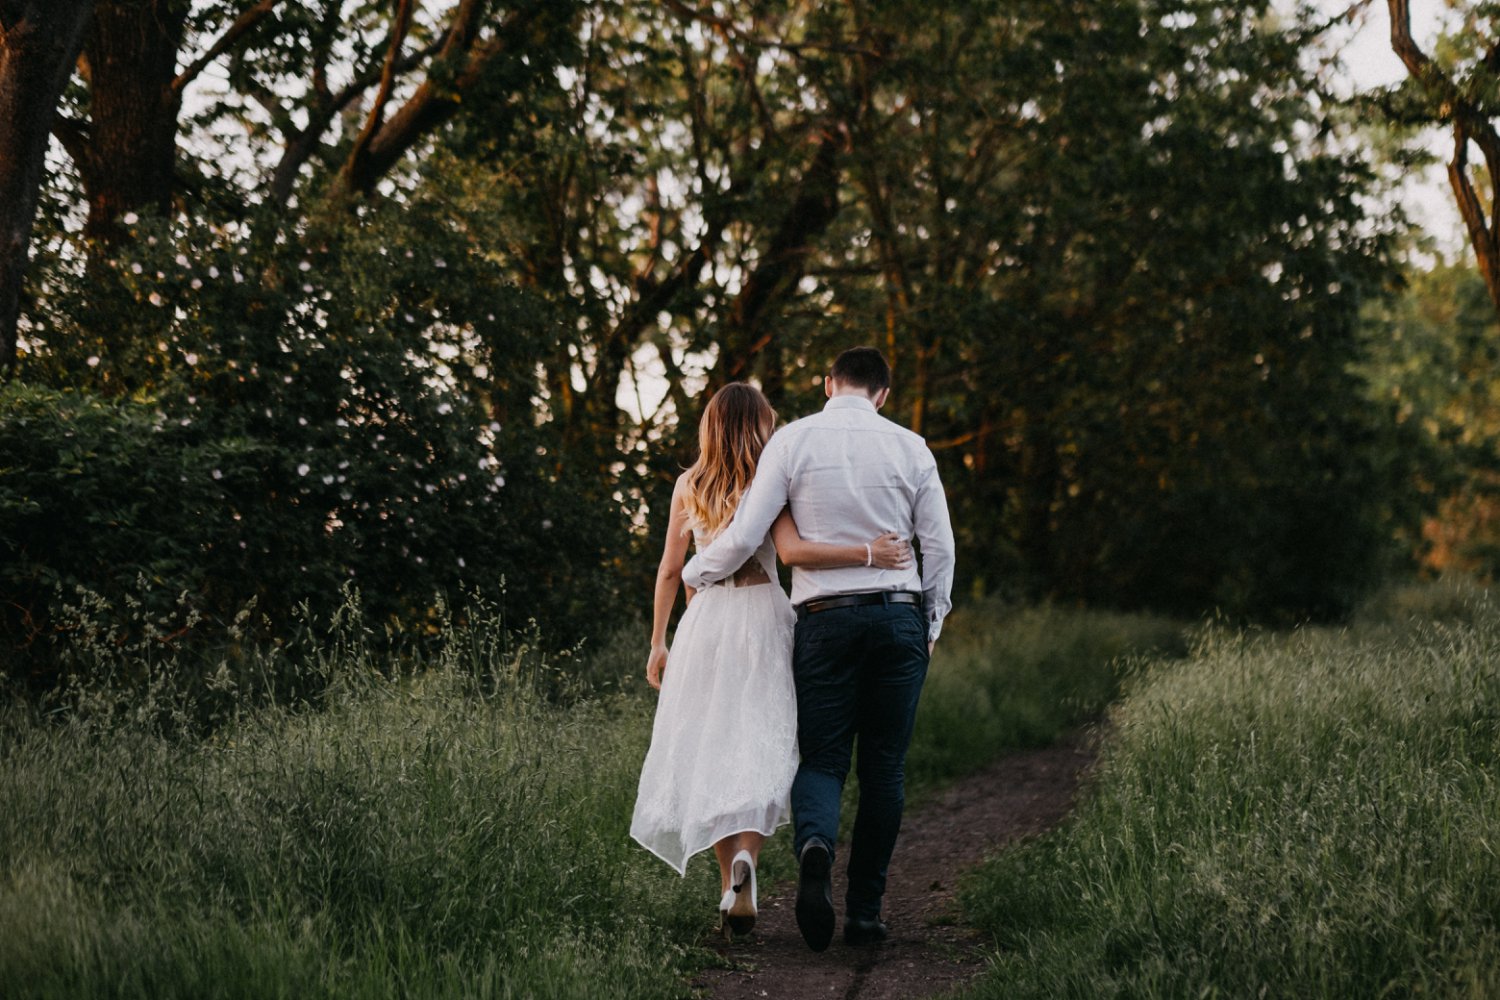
(1313, 814)
(456, 833)
(1005, 677)
(451, 825)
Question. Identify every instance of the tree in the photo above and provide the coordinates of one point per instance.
(1431, 356)
(1119, 262)
(39, 40)
(1459, 92)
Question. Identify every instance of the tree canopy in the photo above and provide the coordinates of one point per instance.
(473, 266)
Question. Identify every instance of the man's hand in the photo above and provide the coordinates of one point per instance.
(655, 664)
(929, 648)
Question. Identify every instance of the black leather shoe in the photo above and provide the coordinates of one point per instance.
(859, 931)
(815, 896)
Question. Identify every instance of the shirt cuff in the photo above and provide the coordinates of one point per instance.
(934, 629)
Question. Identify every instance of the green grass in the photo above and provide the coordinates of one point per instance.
(1013, 678)
(460, 832)
(1313, 814)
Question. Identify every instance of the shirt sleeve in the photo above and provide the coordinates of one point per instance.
(935, 533)
(759, 508)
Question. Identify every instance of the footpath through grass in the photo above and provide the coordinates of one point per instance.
(457, 833)
(1312, 815)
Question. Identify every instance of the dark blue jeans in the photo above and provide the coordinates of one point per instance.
(859, 672)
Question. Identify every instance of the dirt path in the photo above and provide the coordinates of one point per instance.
(929, 951)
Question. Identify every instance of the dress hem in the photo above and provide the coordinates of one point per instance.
(699, 850)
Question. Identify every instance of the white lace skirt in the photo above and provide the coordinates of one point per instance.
(724, 743)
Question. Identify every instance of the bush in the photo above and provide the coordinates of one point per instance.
(319, 412)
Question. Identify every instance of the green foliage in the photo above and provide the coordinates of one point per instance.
(268, 421)
(1431, 354)
(1117, 254)
(1306, 814)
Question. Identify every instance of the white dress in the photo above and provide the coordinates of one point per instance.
(724, 743)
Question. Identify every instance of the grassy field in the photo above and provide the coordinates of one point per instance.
(459, 831)
(1313, 814)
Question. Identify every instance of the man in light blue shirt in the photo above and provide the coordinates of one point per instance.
(864, 634)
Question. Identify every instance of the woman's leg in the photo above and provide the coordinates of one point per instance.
(728, 847)
(752, 842)
(724, 851)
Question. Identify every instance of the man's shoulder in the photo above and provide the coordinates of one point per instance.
(844, 421)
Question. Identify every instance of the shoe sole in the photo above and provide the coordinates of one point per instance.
(815, 917)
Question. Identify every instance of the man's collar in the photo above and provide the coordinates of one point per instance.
(849, 402)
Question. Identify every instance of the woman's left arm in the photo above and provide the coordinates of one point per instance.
(885, 551)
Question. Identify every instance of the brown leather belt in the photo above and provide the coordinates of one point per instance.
(817, 604)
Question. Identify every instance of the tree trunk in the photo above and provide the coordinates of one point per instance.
(752, 344)
(1038, 488)
(38, 43)
(131, 145)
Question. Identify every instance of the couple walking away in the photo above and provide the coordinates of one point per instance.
(754, 678)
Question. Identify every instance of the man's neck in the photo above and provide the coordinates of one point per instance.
(838, 390)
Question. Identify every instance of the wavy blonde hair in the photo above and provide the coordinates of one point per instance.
(735, 427)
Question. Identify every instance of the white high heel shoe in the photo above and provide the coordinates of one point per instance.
(739, 902)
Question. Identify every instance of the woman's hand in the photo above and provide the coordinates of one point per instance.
(890, 551)
(655, 664)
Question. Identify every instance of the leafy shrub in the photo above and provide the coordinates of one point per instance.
(291, 416)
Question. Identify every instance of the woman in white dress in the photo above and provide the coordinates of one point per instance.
(724, 743)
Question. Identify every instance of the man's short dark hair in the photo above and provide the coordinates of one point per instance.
(863, 368)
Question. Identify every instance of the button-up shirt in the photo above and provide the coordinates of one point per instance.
(848, 474)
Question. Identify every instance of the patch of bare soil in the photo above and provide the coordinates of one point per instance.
(929, 950)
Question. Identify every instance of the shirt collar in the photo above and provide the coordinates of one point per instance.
(850, 403)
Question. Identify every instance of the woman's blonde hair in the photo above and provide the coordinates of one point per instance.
(736, 425)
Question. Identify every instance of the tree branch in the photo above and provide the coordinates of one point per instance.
(1470, 124)
(242, 24)
(725, 26)
(388, 74)
(301, 146)
(1482, 232)
(74, 136)
(437, 98)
